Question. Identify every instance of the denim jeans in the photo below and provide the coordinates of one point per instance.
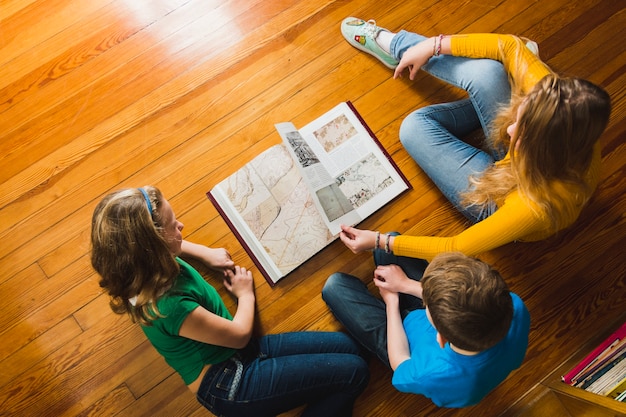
(360, 312)
(432, 135)
(277, 373)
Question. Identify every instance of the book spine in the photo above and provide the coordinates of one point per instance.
(618, 389)
(618, 334)
(605, 383)
(607, 355)
(586, 383)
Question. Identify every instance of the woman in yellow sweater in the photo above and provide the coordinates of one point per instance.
(540, 162)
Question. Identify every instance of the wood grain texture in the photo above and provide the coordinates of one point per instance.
(105, 94)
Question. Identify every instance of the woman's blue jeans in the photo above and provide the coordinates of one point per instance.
(280, 372)
(432, 135)
(360, 312)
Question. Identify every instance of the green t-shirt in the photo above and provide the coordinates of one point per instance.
(186, 356)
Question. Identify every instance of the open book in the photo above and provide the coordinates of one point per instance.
(288, 203)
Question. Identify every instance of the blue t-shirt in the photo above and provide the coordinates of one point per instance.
(451, 379)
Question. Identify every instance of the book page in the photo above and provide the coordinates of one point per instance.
(349, 176)
(272, 210)
(331, 202)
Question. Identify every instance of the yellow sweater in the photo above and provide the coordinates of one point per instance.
(515, 219)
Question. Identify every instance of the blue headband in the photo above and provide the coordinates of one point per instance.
(147, 198)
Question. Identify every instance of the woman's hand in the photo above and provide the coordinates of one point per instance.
(357, 240)
(414, 58)
(239, 282)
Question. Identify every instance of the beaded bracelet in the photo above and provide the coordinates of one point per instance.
(438, 45)
(387, 248)
(377, 245)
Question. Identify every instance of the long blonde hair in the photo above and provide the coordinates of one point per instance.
(560, 120)
(130, 253)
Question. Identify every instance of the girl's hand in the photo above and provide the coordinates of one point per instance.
(357, 240)
(215, 258)
(239, 281)
(206, 326)
(218, 259)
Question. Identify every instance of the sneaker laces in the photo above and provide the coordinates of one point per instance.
(371, 29)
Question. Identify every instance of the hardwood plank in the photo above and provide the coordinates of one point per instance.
(154, 372)
(12, 7)
(51, 384)
(23, 359)
(38, 22)
(110, 405)
(86, 43)
(46, 306)
(167, 399)
(31, 297)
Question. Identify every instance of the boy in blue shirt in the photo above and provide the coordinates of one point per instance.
(450, 330)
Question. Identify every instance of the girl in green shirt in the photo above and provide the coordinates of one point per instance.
(136, 244)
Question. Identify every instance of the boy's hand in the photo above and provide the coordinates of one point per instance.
(391, 299)
(392, 278)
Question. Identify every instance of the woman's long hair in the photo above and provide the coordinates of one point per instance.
(560, 120)
(130, 253)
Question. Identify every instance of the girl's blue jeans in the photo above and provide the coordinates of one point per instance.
(432, 135)
(280, 372)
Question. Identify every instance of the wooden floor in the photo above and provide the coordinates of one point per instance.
(102, 94)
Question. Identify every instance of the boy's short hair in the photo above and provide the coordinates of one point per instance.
(468, 301)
